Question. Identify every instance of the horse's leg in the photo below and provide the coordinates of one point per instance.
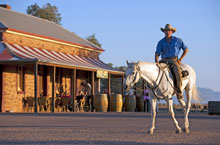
(153, 115)
(188, 105)
(183, 104)
(170, 107)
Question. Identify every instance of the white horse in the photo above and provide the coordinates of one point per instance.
(160, 86)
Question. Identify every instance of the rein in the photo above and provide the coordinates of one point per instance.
(153, 88)
(154, 82)
(139, 89)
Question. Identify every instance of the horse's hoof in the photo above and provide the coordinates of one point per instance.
(178, 131)
(150, 132)
(186, 130)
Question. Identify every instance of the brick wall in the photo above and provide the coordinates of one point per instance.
(33, 42)
(10, 97)
(66, 80)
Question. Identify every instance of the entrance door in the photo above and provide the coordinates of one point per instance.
(1, 88)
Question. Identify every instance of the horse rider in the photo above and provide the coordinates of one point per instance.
(169, 49)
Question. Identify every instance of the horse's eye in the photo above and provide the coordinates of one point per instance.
(133, 73)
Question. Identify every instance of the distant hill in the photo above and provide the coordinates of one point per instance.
(205, 94)
(208, 95)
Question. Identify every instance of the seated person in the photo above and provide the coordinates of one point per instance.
(86, 88)
(80, 98)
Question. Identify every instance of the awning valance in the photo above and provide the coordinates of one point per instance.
(18, 52)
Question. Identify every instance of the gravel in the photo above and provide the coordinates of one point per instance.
(126, 128)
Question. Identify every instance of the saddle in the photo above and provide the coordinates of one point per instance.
(164, 65)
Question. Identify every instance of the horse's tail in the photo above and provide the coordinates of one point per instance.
(195, 95)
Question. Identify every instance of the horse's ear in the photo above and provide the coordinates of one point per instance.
(127, 62)
(138, 67)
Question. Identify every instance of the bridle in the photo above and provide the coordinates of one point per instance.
(135, 77)
(154, 87)
(155, 82)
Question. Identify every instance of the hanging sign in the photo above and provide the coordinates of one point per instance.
(102, 74)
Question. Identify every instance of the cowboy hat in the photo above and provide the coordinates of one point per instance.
(168, 27)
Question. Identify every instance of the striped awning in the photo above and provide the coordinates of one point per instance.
(18, 52)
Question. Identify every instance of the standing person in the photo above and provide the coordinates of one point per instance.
(146, 101)
(169, 49)
(86, 88)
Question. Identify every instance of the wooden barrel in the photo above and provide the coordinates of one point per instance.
(116, 103)
(140, 104)
(101, 103)
(130, 103)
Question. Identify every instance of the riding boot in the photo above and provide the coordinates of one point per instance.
(179, 93)
(177, 72)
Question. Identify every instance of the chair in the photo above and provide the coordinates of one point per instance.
(65, 103)
(30, 103)
(81, 105)
(50, 101)
(58, 103)
(44, 103)
(24, 104)
(76, 106)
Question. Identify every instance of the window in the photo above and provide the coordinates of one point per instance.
(20, 79)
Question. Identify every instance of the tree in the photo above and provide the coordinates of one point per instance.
(121, 68)
(94, 40)
(110, 64)
(47, 12)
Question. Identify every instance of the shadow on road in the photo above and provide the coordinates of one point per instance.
(114, 115)
(81, 142)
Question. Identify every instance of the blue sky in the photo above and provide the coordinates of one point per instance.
(130, 29)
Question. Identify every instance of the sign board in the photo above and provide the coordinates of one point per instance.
(102, 74)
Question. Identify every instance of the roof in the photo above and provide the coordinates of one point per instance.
(32, 25)
(15, 52)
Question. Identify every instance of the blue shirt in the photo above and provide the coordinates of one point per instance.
(170, 49)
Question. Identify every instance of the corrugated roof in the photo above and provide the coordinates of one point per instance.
(10, 19)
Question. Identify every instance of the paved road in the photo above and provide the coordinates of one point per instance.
(105, 128)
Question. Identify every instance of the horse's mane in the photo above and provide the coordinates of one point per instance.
(140, 63)
(145, 62)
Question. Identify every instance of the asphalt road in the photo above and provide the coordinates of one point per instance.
(105, 128)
